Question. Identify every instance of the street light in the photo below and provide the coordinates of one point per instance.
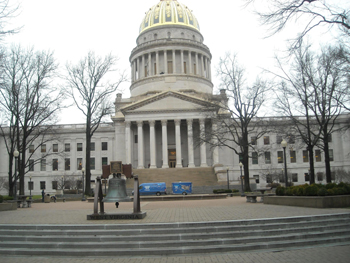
(284, 145)
(228, 182)
(82, 171)
(16, 154)
(30, 187)
(241, 166)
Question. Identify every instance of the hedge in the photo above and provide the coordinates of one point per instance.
(315, 190)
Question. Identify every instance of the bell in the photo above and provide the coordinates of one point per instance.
(116, 191)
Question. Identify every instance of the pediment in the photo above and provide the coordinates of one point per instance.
(168, 102)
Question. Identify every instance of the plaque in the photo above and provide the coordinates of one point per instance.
(116, 167)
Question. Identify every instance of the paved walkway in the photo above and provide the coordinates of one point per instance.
(233, 208)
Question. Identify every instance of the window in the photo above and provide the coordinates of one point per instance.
(267, 158)
(54, 164)
(291, 139)
(253, 140)
(79, 163)
(42, 185)
(266, 140)
(155, 68)
(104, 161)
(282, 178)
(333, 176)
(170, 67)
(329, 137)
(305, 156)
(92, 146)
(79, 147)
(319, 176)
(307, 177)
(135, 139)
(146, 71)
(318, 155)
(256, 177)
(255, 158)
(104, 146)
(293, 157)
(67, 147)
(55, 148)
(30, 185)
(294, 178)
(31, 148)
(31, 165)
(43, 165)
(54, 185)
(280, 157)
(194, 69)
(185, 68)
(67, 164)
(269, 179)
(43, 148)
(92, 163)
(331, 156)
(279, 139)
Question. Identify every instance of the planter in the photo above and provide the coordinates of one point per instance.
(339, 201)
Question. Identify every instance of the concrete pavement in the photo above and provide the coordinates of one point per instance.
(232, 208)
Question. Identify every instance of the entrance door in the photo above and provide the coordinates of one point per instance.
(172, 158)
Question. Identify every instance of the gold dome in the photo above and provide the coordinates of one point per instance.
(169, 12)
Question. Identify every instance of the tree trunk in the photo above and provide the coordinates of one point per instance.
(326, 158)
(87, 159)
(312, 164)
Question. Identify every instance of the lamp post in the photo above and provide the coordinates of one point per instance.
(82, 171)
(16, 154)
(241, 166)
(228, 181)
(30, 187)
(284, 145)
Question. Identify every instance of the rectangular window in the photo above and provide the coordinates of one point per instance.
(278, 139)
(281, 178)
(43, 165)
(293, 157)
(67, 147)
(92, 146)
(42, 185)
(318, 155)
(269, 179)
(267, 158)
(256, 177)
(266, 140)
(331, 156)
(307, 177)
(54, 185)
(194, 69)
(104, 161)
(135, 139)
(67, 164)
(170, 67)
(253, 140)
(146, 71)
(305, 156)
(291, 139)
(329, 137)
(43, 148)
(31, 148)
(280, 156)
(185, 68)
(155, 68)
(92, 163)
(319, 176)
(255, 158)
(54, 164)
(55, 148)
(79, 163)
(333, 176)
(104, 146)
(31, 165)
(79, 147)
(30, 185)
(295, 178)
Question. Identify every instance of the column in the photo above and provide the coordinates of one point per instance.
(138, 68)
(197, 68)
(165, 62)
(174, 62)
(189, 62)
(203, 148)
(215, 142)
(157, 63)
(152, 140)
(165, 143)
(127, 142)
(149, 65)
(182, 62)
(132, 71)
(140, 144)
(142, 67)
(209, 69)
(178, 143)
(202, 67)
(190, 143)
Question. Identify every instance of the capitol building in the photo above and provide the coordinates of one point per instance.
(156, 129)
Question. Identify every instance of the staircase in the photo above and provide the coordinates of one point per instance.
(203, 179)
(174, 238)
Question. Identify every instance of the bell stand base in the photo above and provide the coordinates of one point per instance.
(137, 214)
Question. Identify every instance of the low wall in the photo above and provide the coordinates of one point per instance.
(339, 201)
(8, 206)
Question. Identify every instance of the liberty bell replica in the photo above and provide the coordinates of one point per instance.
(116, 190)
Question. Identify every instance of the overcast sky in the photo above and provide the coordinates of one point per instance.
(71, 28)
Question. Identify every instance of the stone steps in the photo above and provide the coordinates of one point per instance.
(174, 238)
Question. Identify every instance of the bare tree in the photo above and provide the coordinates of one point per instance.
(7, 11)
(90, 92)
(30, 102)
(237, 113)
(315, 13)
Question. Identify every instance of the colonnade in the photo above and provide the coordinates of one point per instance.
(164, 132)
(191, 62)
